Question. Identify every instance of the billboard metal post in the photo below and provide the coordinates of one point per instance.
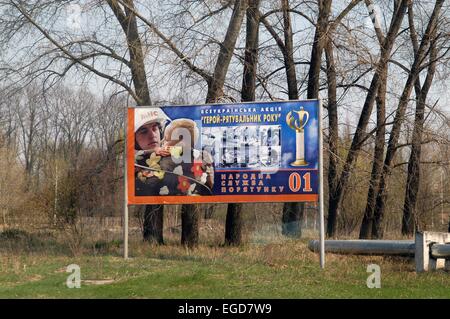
(125, 189)
(321, 202)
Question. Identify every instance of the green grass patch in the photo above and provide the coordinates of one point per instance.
(277, 270)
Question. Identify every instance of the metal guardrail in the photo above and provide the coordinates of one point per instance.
(431, 250)
(440, 251)
(367, 247)
(378, 247)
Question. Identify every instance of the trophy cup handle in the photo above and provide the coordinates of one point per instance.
(306, 120)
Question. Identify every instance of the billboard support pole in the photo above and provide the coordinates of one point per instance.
(125, 189)
(321, 201)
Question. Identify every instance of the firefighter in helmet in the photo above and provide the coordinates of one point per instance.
(167, 162)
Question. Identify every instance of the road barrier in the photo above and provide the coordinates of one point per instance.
(367, 247)
(431, 250)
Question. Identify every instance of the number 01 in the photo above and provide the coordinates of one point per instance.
(295, 182)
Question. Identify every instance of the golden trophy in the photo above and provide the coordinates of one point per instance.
(298, 126)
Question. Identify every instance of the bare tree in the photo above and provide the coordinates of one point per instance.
(417, 65)
(335, 196)
(30, 118)
(377, 164)
(413, 180)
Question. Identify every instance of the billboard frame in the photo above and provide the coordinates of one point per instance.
(128, 173)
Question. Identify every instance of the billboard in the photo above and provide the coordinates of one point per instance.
(224, 153)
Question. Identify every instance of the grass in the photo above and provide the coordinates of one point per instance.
(282, 269)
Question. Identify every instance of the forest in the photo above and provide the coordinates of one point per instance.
(69, 70)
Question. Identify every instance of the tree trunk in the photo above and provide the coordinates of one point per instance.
(291, 220)
(208, 211)
(154, 214)
(233, 225)
(399, 117)
(127, 20)
(153, 224)
(251, 52)
(317, 49)
(189, 225)
(333, 134)
(377, 165)
(365, 231)
(413, 179)
(289, 64)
